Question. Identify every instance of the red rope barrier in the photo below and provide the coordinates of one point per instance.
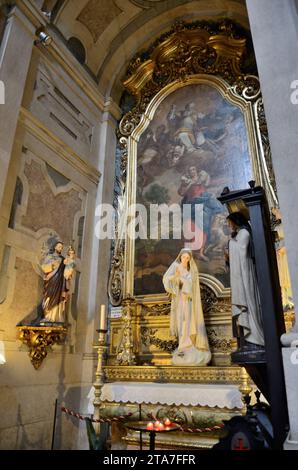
(194, 430)
(99, 420)
(150, 415)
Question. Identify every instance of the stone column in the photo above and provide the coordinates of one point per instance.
(15, 55)
(102, 248)
(274, 28)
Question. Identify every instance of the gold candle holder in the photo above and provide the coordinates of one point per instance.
(99, 375)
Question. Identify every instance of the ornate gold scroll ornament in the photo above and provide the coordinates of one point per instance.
(39, 339)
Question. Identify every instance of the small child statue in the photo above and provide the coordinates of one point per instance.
(69, 263)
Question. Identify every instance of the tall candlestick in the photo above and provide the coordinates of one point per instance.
(102, 320)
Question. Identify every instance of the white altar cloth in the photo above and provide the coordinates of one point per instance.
(222, 396)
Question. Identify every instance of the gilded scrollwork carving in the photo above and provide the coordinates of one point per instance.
(39, 339)
(123, 164)
(148, 337)
(218, 343)
(125, 353)
(116, 275)
(248, 87)
(186, 50)
(265, 143)
(222, 306)
(156, 309)
(208, 298)
(117, 263)
(289, 316)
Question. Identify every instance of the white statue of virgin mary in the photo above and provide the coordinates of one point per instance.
(187, 320)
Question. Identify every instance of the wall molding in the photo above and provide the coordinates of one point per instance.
(69, 64)
(43, 134)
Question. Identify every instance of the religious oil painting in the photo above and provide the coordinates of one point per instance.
(195, 145)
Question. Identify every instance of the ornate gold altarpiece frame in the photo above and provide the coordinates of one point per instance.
(139, 347)
(189, 54)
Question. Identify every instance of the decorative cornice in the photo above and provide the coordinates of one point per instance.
(36, 128)
(33, 14)
(74, 70)
(111, 107)
(217, 375)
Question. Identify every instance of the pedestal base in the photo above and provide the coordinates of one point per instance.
(203, 406)
(289, 444)
(248, 356)
(290, 362)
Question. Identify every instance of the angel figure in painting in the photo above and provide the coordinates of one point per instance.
(246, 308)
(181, 280)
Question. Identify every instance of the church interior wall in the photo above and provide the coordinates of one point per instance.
(53, 181)
(61, 166)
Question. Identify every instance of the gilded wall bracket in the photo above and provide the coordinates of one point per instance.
(39, 339)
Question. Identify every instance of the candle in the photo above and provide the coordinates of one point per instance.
(167, 422)
(102, 320)
(156, 424)
(160, 427)
(150, 426)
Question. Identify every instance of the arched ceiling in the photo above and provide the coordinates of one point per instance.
(113, 31)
